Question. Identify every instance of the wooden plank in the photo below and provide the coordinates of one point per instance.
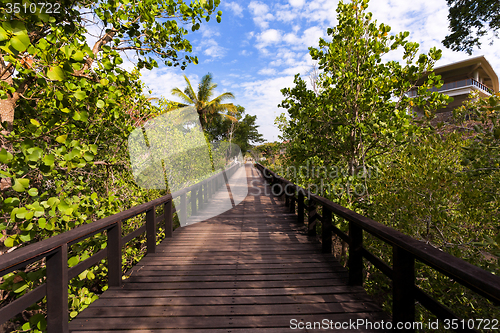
(234, 277)
(235, 310)
(229, 300)
(133, 323)
(119, 292)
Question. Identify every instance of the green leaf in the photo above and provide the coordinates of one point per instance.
(93, 148)
(26, 237)
(49, 159)
(19, 287)
(88, 156)
(20, 43)
(5, 156)
(61, 138)
(33, 192)
(56, 73)
(35, 155)
(73, 314)
(53, 201)
(9, 242)
(78, 56)
(80, 94)
(3, 35)
(18, 187)
(100, 104)
(35, 122)
(41, 223)
(73, 261)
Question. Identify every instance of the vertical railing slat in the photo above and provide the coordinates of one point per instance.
(300, 208)
(403, 286)
(311, 218)
(326, 231)
(57, 291)
(168, 218)
(183, 212)
(151, 230)
(355, 262)
(115, 255)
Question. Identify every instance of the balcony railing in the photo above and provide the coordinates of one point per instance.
(457, 84)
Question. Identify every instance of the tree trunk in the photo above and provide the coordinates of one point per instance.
(7, 107)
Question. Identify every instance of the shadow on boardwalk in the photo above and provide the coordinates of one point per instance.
(250, 269)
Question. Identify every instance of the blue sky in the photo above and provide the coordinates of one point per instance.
(260, 45)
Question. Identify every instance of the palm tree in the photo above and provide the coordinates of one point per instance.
(207, 108)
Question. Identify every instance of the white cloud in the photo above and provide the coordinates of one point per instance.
(212, 49)
(261, 15)
(267, 71)
(258, 8)
(235, 8)
(296, 3)
(270, 36)
(162, 80)
(245, 53)
(262, 98)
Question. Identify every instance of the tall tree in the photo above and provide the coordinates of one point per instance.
(244, 132)
(44, 53)
(207, 107)
(362, 108)
(469, 21)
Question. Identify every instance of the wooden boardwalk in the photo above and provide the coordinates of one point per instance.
(250, 269)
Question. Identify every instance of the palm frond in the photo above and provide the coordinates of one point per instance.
(189, 91)
(206, 88)
(177, 92)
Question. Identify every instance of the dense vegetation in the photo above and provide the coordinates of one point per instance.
(436, 185)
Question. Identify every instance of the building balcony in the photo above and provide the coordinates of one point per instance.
(458, 88)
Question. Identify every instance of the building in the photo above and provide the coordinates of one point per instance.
(460, 79)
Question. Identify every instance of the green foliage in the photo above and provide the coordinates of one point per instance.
(362, 108)
(64, 155)
(424, 191)
(469, 21)
(243, 132)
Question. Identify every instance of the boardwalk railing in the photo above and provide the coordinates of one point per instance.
(405, 251)
(55, 249)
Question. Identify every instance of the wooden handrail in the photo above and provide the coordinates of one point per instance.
(55, 250)
(405, 251)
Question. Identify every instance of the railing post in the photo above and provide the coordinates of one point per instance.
(292, 203)
(183, 213)
(206, 192)
(193, 201)
(200, 197)
(287, 198)
(151, 230)
(355, 262)
(300, 208)
(326, 231)
(167, 212)
(115, 255)
(311, 218)
(403, 286)
(57, 291)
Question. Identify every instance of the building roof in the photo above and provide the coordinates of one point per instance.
(476, 63)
